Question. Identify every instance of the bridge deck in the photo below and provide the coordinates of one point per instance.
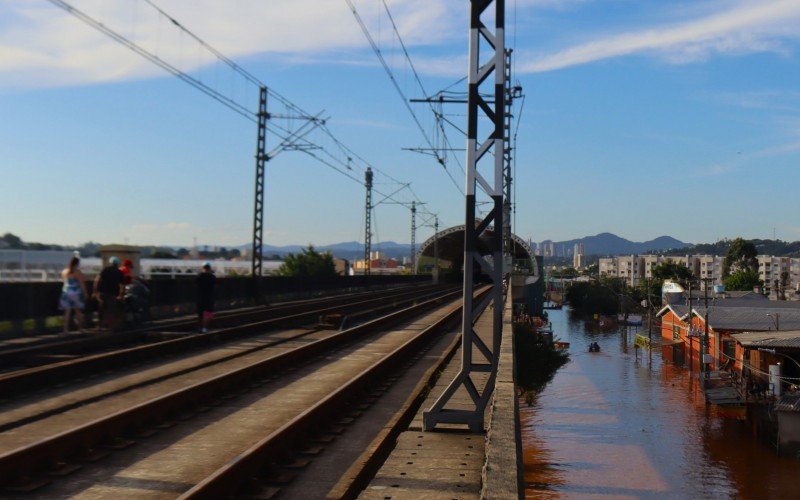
(446, 463)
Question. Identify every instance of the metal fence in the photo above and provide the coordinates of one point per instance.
(26, 302)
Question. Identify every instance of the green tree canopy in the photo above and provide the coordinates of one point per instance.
(12, 240)
(741, 257)
(742, 280)
(671, 271)
(591, 270)
(309, 262)
(591, 298)
(567, 272)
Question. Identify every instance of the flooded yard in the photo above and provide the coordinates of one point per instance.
(620, 425)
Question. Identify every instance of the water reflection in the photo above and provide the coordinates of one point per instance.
(624, 424)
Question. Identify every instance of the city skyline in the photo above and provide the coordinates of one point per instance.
(641, 119)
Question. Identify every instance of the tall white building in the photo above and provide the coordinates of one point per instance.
(577, 256)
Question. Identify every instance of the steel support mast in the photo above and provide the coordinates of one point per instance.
(436, 250)
(413, 237)
(507, 152)
(258, 211)
(368, 223)
(483, 250)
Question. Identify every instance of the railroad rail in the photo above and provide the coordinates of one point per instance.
(30, 379)
(58, 452)
(43, 352)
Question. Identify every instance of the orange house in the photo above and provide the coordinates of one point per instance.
(682, 339)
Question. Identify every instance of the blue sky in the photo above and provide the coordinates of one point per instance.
(641, 117)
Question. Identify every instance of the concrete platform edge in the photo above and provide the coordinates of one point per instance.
(502, 475)
(363, 469)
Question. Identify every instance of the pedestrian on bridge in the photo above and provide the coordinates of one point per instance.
(109, 290)
(73, 293)
(205, 296)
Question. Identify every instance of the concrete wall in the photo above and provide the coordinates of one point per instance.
(503, 470)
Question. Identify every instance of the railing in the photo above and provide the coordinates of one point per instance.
(24, 301)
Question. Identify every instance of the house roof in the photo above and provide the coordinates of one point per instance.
(679, 310)
(750, 318)
(753, 301)
(781, 339)
(740, 317)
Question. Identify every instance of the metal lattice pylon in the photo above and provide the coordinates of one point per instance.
(413, 237)
(368, 223)
(258, 209)
(484, 252)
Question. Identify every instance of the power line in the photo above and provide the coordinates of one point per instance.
(289, 139)
(214, 94)
(396, 85)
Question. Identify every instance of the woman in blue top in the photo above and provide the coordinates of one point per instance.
(73, 293)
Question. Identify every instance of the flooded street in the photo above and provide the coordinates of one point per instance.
(612, 425)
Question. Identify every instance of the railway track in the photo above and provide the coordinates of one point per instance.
(340, 366)
(28, 380)
(51, 351)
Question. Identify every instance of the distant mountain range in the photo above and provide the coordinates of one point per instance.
(611, 244)
(349, 250)
(601, 244)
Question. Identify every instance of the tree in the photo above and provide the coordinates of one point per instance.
(741, 257)
(742, 280)
(784, 283)
(307, 263)
(163, 254)
(13, 241)
(591, 298)
(670, 270)
(592, 270)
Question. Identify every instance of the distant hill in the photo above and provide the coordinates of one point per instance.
(349, 250)
(611, 244)
(764, 247)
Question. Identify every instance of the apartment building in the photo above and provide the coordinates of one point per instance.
(772, 269)
(607, 266)
(578, 256)
(708, 268)
(649, 262)
(635, 268)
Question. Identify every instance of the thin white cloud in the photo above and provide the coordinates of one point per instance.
(751, 26)
(770, 100)
(41, 45)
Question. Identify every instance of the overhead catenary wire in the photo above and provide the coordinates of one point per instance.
(287, 136)
(376, 49)
(295, 139)
(214, 94)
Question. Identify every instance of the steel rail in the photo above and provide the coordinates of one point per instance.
(25, 355)
(230, 478)
(24, 381)
(46, 453)
(280, 339)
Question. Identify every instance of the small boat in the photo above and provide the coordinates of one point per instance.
(561, 345)
(594, 347)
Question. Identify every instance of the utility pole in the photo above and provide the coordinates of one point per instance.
(689, 331)
(436, 249)
(489, 261)
(368, 224)
(507, 252)
(413, 237)
(706, 343)
(258, 211)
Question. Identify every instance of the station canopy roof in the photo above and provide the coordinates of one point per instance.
(451, 248)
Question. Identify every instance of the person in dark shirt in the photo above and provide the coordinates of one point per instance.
(108, 290)
(205, 296)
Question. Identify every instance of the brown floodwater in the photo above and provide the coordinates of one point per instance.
(620, 425)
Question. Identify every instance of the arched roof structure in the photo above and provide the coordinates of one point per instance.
(451, 251)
